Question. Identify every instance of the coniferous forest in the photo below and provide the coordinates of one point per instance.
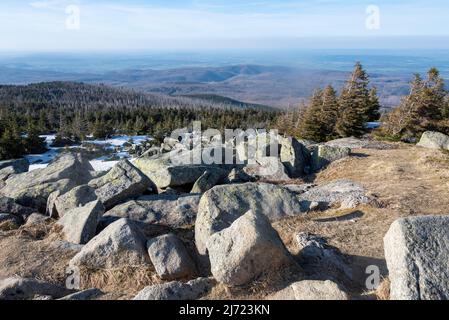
(75, 110)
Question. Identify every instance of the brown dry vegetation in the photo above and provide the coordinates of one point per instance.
(404, 181)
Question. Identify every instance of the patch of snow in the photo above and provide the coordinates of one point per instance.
(38, 166)
(373, 125)
(100, 165)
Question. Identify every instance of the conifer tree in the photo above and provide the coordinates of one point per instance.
(311, 124)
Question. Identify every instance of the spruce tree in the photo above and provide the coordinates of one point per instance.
(354, 104)
(329, 113)
(311, 124)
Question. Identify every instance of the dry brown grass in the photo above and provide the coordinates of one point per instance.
(383, 292)
(128, 280)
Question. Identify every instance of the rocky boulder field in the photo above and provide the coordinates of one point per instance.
(349, 219)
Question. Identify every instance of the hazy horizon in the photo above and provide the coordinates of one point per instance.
(137, 25)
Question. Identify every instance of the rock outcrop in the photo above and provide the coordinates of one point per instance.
(120, 245)
(434, 140)
(59, 205)
(417, 254)
(311, 290)
(175, 290)
(323, 155)
(170, 257)
(33, 188)
(25, 289)
(245, 250)
(168, 210)
(222, 205)
(80, 224)
(122, 182)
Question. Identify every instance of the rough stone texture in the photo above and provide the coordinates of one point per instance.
(347, 193)
(323, 155)
(207, 181)
(169, 210)
(77, 197)
(122, 182)
(416, 250)
(181, 171)
(119, 245)
(33, 188)
(311, 290)
(222, 205)
(170, 257)
(8, 205)
(270, 168)
(238, 175)
(175, 290)
(89, 294)
(434, 140)
(80, 224)
(24, 289)
(317, 257)
(245, 250)
(36, 219)
(294, 156)
(19, 165)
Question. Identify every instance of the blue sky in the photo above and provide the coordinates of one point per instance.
(38, 25)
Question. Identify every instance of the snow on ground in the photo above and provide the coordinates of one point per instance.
(39, 161)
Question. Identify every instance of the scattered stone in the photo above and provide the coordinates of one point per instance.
(89, 294)
(311, 290)
(346, 193)
(269, 168)
(175, 290)
(170, 257)
(122, 182)
(77, 197)
(245, 250)
(37, 219)
(416, 250)
(294, 156)
(119, 245)
(169, 210)
(25, 289)
(434, 140)
(207, 181)
(174, 169)
(222, 205)
(33, 188)
(323, 155)
(80, 224)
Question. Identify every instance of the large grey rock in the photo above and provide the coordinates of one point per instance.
(294, 156)
(77, 197)
(122, 182)
(33, 188)
(168, 210)
(417, 254)
(170, 257)
(222, 205)
(24, 289)
(207, 181)
(175, 290)
(268, 168)
(8, 205)
(19, 165)
(323, 155)
(119, 245)
(174, 169)
(80, 224)
(311, 290)
(346, 193)
(89, 294)
(434, 140)
(245, 250)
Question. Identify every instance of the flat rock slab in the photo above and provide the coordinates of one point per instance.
(311, 290)
(175, 290)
